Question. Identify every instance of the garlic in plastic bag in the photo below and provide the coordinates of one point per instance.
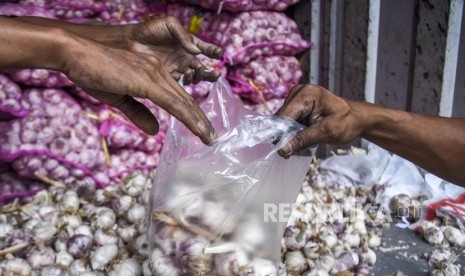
(235, 195)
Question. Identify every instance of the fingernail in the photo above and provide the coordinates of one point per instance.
(286, 151)
(196, 49)
(212, 136)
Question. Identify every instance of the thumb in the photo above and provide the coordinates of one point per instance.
(306, 138)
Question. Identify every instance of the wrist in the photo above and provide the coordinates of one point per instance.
(367, 115)
(377, 121)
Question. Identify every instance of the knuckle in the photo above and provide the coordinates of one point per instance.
(302, 141)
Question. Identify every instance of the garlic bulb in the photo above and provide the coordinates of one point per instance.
(454, 236)
(311, 249)
(399, 204)
(136, 214)
(70, 202)
(78, 266)
(103, 255)
(122, 204)
(325, 262)
(352, 238)
(42, 257)
(15, 266)
(79, 245)
(294, 237)
(192, 258)
(230, 263)
(102, 237)
(434, 235)
(5, 230)
(134, 185)
(260, 267)
(44, 232)
(72, 220)
(363, 269)
(367, 255)
(346, 261)
(84, 230)
(48, 214)
(449, 270)
(439, 258)
(162, 265)
(169, 238)
(127, 234)
(103, 217)
(63, 259)
(329, 239)
(129, 267)
(51, 271)
(373, 240)
(296, 262)
(142, 245)
(424, 225)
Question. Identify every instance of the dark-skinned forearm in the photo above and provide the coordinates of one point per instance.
(24, 45)
(436, 144)
(115, 36)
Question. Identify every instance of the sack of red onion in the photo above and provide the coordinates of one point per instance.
(12, 104)
(245, 36)
(241, 5)
(208, 202)
(265, 78)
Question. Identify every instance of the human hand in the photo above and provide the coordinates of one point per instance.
(164, 38)
(329, 118)
(116, 76)
(167, 39)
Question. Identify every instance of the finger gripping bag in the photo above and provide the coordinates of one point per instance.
(214, 209)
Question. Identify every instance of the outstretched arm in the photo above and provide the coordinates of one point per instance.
(113, 75)
(435, 143)
(163, 37)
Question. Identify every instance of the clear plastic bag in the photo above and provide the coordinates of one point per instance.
(217, 209)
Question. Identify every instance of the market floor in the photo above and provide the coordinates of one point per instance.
(403, 250)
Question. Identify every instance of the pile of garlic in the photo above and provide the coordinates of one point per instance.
(327, 233)
(60, 233)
